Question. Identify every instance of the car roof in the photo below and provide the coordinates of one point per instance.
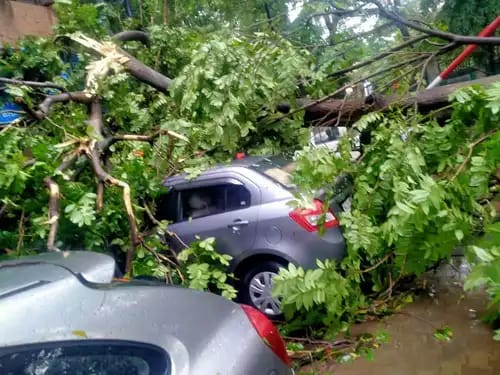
(236, 164)
(93, 267)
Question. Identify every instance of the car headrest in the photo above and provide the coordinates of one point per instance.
(197, 202)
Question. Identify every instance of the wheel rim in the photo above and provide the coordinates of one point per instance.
(260, 290)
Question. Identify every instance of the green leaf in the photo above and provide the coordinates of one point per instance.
(443, 334)
(482, 254)
(459, 234)
(497, 335)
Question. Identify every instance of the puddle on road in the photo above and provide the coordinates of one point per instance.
(414, 351)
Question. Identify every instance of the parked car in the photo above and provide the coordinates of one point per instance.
(62, 314)
(329, 137)
(245, 206)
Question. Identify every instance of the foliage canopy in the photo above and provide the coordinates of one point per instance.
(421, 189)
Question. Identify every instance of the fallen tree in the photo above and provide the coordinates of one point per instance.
(415, 199)
(344, 112)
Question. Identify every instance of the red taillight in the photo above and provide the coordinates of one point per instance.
(240, 156)
(268, 332)
(308, 218)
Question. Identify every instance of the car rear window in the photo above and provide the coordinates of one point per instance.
(90, 357)
(279, 169)
(324, 134)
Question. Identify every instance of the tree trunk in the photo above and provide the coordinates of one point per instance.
(328, 112)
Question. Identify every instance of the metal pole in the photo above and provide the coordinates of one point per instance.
(487, 31)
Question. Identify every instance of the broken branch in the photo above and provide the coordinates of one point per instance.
(53, 212)
(93, 156)
(54, 197)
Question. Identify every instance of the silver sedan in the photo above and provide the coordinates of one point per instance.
(62, 314)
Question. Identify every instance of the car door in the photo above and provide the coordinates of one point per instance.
(224, 208)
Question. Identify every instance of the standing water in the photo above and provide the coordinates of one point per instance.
(413, 349)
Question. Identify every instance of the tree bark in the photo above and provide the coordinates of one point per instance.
(54, 197)
(327, 112)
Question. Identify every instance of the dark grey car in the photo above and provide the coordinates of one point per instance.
(245, 206)
(60, 313)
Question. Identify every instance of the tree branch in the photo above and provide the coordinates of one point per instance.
(369, 32)
(384, 259)
(340, 90)
(95, 120)
(93, 156)
(268, 15)
(49, 101)
(342, 12)
(33, 84)
(378, 57)
(54, 198)
(471, 149)
(459, 39)
(107, 142)
(135, 67)
(133, 35)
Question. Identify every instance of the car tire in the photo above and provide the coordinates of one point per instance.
(255, 286)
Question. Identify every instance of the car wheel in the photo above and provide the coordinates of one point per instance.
(255, 288)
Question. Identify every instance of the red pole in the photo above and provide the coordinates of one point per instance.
(487, 31)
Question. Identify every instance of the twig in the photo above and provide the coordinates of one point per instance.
(471, 149)
(20, 233)
(416, 317)
(369, 32)
(377, 264)
(459, 39)
(33, 84)
(380, 56)
(159, 260)
(107, 142)
(330, 344)
(3, 209)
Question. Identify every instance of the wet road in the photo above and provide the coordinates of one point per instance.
(413, 350)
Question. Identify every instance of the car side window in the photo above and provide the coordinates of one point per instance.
(237, 197)
(108, 357)
(212, 200)
(167, 206)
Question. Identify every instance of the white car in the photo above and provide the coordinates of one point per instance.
(329, 137)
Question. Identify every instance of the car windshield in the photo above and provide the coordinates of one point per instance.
(278, 169)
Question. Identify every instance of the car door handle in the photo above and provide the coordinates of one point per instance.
(238, 223)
